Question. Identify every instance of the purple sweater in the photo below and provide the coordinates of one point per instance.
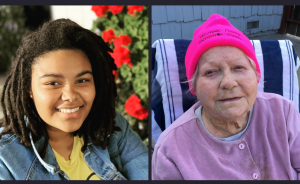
(268, 150)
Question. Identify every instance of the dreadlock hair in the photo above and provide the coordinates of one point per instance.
(20, 114)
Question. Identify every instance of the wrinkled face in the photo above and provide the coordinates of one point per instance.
(62, 88)
(226, 83)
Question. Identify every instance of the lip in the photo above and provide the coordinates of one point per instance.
(69, 107)
(70, 115)
(232, 99)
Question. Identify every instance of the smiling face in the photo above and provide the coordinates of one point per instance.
(226, 83)
(62, 88)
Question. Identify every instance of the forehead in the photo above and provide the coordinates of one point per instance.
(62, 61)
(219, 54)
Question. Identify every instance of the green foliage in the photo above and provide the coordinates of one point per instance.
(12, 29)
(130, 80)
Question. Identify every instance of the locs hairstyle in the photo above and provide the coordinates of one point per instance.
(20, 114)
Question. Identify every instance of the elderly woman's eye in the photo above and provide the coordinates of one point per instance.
(209, 72)
(238, 67)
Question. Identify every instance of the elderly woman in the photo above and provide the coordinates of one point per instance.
(234, 131)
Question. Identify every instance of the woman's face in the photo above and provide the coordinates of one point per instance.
(62, 88)
(226, 83)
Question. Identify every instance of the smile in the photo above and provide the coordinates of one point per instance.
(230, 99)
(68, 110)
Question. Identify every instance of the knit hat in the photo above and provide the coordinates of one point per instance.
(215, 31)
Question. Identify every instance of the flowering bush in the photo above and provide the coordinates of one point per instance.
(115, 9)
(125, 29)
(134, 108)
(100, 10)
(121, 55)
(133, 9)
(108, 35)
(122, 40)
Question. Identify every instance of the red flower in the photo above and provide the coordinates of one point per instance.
(115, 9)
(100, 10)
(108, 35)
(121, 55)
(115, 73)
(122, 40)
(134, 108)
(133, 9)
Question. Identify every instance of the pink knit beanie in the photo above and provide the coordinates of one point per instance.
(215, 31)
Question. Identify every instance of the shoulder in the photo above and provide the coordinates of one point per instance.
(7, 140)
(176, 128)
(121, 121)
(268, 101)
(273, 112)
(10, 143)
(14, 157)
(270, 96)
(124, 125)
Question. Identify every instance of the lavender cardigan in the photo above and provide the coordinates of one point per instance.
(268, 150)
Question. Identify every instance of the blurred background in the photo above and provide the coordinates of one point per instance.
(124, 28)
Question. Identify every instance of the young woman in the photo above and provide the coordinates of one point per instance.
(59, 111)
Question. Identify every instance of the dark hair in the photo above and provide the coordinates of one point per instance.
(17, 104)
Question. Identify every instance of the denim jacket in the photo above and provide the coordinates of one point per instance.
(126, 157)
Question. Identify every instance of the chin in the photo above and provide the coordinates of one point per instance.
(233, 114)
(71, 128)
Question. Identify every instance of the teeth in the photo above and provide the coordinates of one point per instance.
(69, 110)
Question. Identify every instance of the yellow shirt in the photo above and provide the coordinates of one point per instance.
(76, 168)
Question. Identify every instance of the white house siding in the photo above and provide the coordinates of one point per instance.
(82, 15)
(180, 22)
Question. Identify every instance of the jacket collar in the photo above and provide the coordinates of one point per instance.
(51, 165)
(104, 167)
(49, 161)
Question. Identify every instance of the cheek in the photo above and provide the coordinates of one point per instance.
(249, 83)
(206, 90)
(89, 94)
(249, 86)
(44, 100)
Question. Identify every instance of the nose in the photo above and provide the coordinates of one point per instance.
(69, 93)
(228, 81)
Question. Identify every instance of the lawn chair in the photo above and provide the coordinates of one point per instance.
(170, 95)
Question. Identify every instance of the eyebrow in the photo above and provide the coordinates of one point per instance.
(84, 72)
(61, 76)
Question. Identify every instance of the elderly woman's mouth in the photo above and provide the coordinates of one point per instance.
(230, 99)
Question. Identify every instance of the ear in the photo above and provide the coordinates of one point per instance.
(30, 94)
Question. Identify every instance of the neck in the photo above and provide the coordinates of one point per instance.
(222, 128)
(61, 142)
(56, 135)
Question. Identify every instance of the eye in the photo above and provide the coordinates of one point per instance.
(210, 72)
(82, 81)
(238, 67)
(52, 83)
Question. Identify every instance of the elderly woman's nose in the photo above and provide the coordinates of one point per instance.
(228, 80)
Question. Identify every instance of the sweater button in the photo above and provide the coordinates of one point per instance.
(241, 146)
(255, 176)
